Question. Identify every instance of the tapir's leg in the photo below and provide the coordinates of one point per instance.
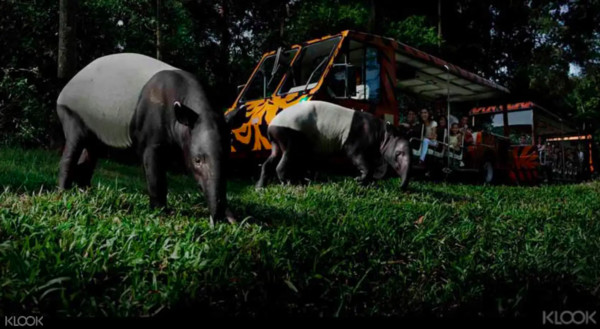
(365, 168)
(75, 134)
(268, 168)
(291, 167)
(302, 161)
(293, 146)
(85, 166)
(156, 175)
(283, 168)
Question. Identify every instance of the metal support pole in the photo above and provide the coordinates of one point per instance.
(562, 147)
(505, 119)
(448, 112)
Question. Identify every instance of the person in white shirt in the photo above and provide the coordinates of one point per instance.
(430, 137)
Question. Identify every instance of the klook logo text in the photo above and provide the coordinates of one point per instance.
(23, 321)
(568, 317)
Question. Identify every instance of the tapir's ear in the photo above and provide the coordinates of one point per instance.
(392, 130)
(236, 118)
(389, 128)
(184, 114)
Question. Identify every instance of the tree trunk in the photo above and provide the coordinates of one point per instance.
(223, 67)
(158, 43)
(439, 23)
(67, 39)
(372, 17)
(284, 14)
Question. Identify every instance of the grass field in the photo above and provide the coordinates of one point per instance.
(328, 249)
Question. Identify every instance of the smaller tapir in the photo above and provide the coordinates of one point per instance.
(311, 128)
(132, 101)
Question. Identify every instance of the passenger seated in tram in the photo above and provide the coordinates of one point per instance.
(549, 151)
(439, 112)
(545, 156)
(541, 147)
(524, 140)
(540, 144)
(455, 138)
(411, 121)
(571, 160)
(412, 126)
(466, 130)
(430, 133)
(556, 159)
(442, 129)
(580, 154)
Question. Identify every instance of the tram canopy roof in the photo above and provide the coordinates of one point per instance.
(436, 78)
(546, 122)
(431, 77)
(509, 107)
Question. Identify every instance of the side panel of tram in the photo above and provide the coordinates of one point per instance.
(522, 160)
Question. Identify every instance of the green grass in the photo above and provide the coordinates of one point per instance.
(329, 249)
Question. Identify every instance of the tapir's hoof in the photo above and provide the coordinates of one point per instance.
(363, 181)
(251, 221)
(158, 206)
(230, 218)
(165, 210)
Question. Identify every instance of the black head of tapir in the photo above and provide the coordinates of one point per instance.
(206, 149)
(395, 151)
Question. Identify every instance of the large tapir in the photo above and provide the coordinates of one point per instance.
(312, 128)
(134, 101)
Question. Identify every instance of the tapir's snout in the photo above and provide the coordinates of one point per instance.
(209, 173)
(211, 151)
(403, 161)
